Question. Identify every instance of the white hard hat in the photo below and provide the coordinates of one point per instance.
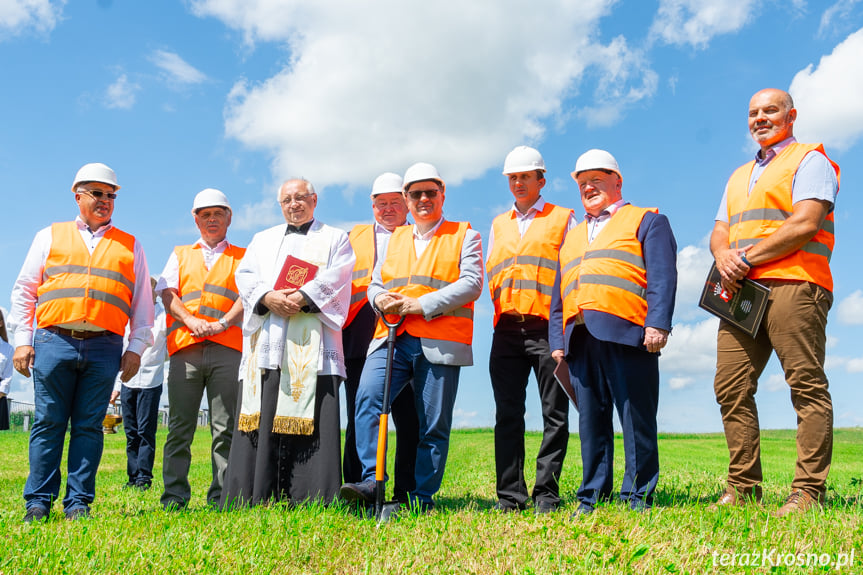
(523, 159)
(209, 198)
(421, 172)
(596, 160)
(387, 183)
(95, 172)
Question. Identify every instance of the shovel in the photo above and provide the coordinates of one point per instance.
(385, 510)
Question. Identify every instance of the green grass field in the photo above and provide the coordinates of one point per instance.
(129, 533)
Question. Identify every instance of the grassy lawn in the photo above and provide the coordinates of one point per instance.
(129, 532)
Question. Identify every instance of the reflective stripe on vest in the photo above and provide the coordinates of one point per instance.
(754, 215)
(362, 238)
(206, 294)
(77, 286)
(523, 282)
(438, 267)
(609, 274)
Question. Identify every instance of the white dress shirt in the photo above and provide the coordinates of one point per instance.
(24, 297)
(6, 353)
(170, 277)
(152, 371)
(330, 290)
(524, 220)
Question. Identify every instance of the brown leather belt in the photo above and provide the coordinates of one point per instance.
(78, 333)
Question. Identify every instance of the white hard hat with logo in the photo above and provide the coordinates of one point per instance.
(523, 159)
(596, 160)
(95, 172)
(387, 183)
(421, 172)
(210, 198)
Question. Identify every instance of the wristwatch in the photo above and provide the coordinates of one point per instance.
(223, 322)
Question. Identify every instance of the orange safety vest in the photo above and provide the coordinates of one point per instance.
(78, 286)
(521, 269)
(206, 294)
(609, 274)
(754, 215)
(362, 238)
(438, 267)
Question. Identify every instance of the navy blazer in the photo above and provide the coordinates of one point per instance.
(660, 260)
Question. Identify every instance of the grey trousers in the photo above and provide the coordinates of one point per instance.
(204, 366)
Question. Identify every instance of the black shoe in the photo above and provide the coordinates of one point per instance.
(583, 510)
(506, 507)
(78, 513)
(541, 507)
(362, 491)
(142, 485)
(130, 484)
(36, 513)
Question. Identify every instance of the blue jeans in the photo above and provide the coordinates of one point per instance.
(72, 381)
(140, 418)
(435, 388)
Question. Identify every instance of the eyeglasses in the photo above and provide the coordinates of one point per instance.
(302, 199)
(98, 194)
(417, 194)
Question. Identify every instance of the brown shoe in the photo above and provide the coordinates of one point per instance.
(798, 502)
(734, 498)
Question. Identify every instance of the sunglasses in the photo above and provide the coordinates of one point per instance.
(99, 194)
(417, 194)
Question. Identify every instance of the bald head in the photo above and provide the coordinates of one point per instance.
(771, 117)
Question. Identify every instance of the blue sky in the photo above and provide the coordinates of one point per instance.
(178, 96)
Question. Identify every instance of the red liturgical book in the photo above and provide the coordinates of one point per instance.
(295, 273)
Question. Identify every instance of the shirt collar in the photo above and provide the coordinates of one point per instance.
(538, 206)
(219, 246)
(428, 234)
(302, 229)
(608, 211)
(773, 151)
(82, 225)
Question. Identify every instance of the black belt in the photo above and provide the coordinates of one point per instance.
(78, 333)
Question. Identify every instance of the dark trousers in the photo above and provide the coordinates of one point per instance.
(516, 349)
(265, 466)
(406, 422)
(140, 418)
(4, 413)
(606, 376)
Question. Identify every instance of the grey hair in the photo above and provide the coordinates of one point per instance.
(310, 189)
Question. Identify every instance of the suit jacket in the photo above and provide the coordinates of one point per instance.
(660, 259)
(464, 290)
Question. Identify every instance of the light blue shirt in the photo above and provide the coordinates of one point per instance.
(815, 178)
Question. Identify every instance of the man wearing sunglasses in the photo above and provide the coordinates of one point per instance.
(431, 273)
(83, 281)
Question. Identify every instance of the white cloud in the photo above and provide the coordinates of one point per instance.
(691, 349)
(20, 16)
(376, 86)
(176, 69)
(693, 263)
(121, 94)
(854, 365)
(827, 97)
(680, 382)
(850, 309)
(696, 22)
(775, 382)
(257, 216)
(462, 418)
(835, 15)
